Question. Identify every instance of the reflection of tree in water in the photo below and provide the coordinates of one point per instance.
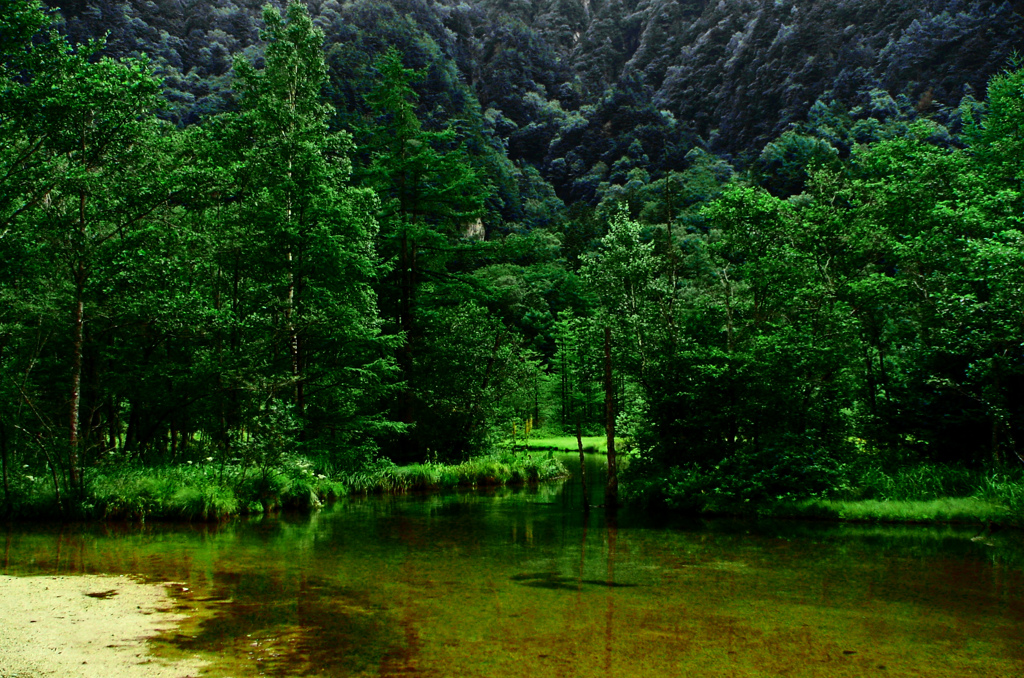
(299, 626)
(554, 580)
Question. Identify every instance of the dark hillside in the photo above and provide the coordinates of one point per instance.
(569, 86)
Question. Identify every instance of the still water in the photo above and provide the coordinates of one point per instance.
(517, 582)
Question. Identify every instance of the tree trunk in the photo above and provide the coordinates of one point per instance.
(76, 375)
(3, 458)
(564, 383)
(133, 435)
(113, 434)
(996, 460)
(294, 340)
(870, 381)
(407, 264)
(583, 466)
(536, 404)
(611, 499)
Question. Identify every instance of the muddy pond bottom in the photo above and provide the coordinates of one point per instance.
(519, 582)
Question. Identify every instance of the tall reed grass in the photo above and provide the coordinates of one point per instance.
(924, 492)
(493, 470)
(213, 491)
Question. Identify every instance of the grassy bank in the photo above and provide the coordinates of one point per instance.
(946, 510)
(913, 493)
(213, 491)
(921, 493)
(562, 443)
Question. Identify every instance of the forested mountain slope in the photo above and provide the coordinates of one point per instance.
(572, 87)
(749, 68)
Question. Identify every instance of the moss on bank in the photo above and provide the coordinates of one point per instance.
(214, 491)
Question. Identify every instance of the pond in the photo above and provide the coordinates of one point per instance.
(519, 582)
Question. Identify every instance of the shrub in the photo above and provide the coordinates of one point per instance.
(741, 483)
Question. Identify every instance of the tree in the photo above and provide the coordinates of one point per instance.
(928, 224)
(579, 368)
(298, 257)
(429, 196)
(635, 306)
(82, 179)
(997, 140)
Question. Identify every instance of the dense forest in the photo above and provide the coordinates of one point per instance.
(763, 243)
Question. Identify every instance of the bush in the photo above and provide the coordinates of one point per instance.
(742, 483)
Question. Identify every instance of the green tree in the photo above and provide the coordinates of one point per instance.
(82, 181)
(430, 195)
(578, 364)
(635, 307)
(925, 223)
(296, 257)
(997, 140)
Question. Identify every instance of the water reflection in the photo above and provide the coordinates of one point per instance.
(523, 582)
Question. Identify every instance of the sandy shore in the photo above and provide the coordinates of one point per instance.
(85, 627)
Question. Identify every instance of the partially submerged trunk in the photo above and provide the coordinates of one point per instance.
(583, 466)
(611, 498)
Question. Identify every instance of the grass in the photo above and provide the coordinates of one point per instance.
(495, 470)
(212, 491)
(202, 491)
(591, 444)
(945, 510)
(929, 493)
(918, 493)
(916, 482)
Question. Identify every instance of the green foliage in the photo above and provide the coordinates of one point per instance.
(870, 304)
(307, 303)
(461, 365)
(166, 293)
(206, 491)
(83, 179)
(787, 486)
(786, 164)
(577, 363)
(273, 299)
(747, 482)
(996, 139)
(485, 471)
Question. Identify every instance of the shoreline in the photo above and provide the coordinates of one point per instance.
(209, 492)
(87, 626)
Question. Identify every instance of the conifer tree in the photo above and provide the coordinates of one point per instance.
(299, 247)
(430, 195)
